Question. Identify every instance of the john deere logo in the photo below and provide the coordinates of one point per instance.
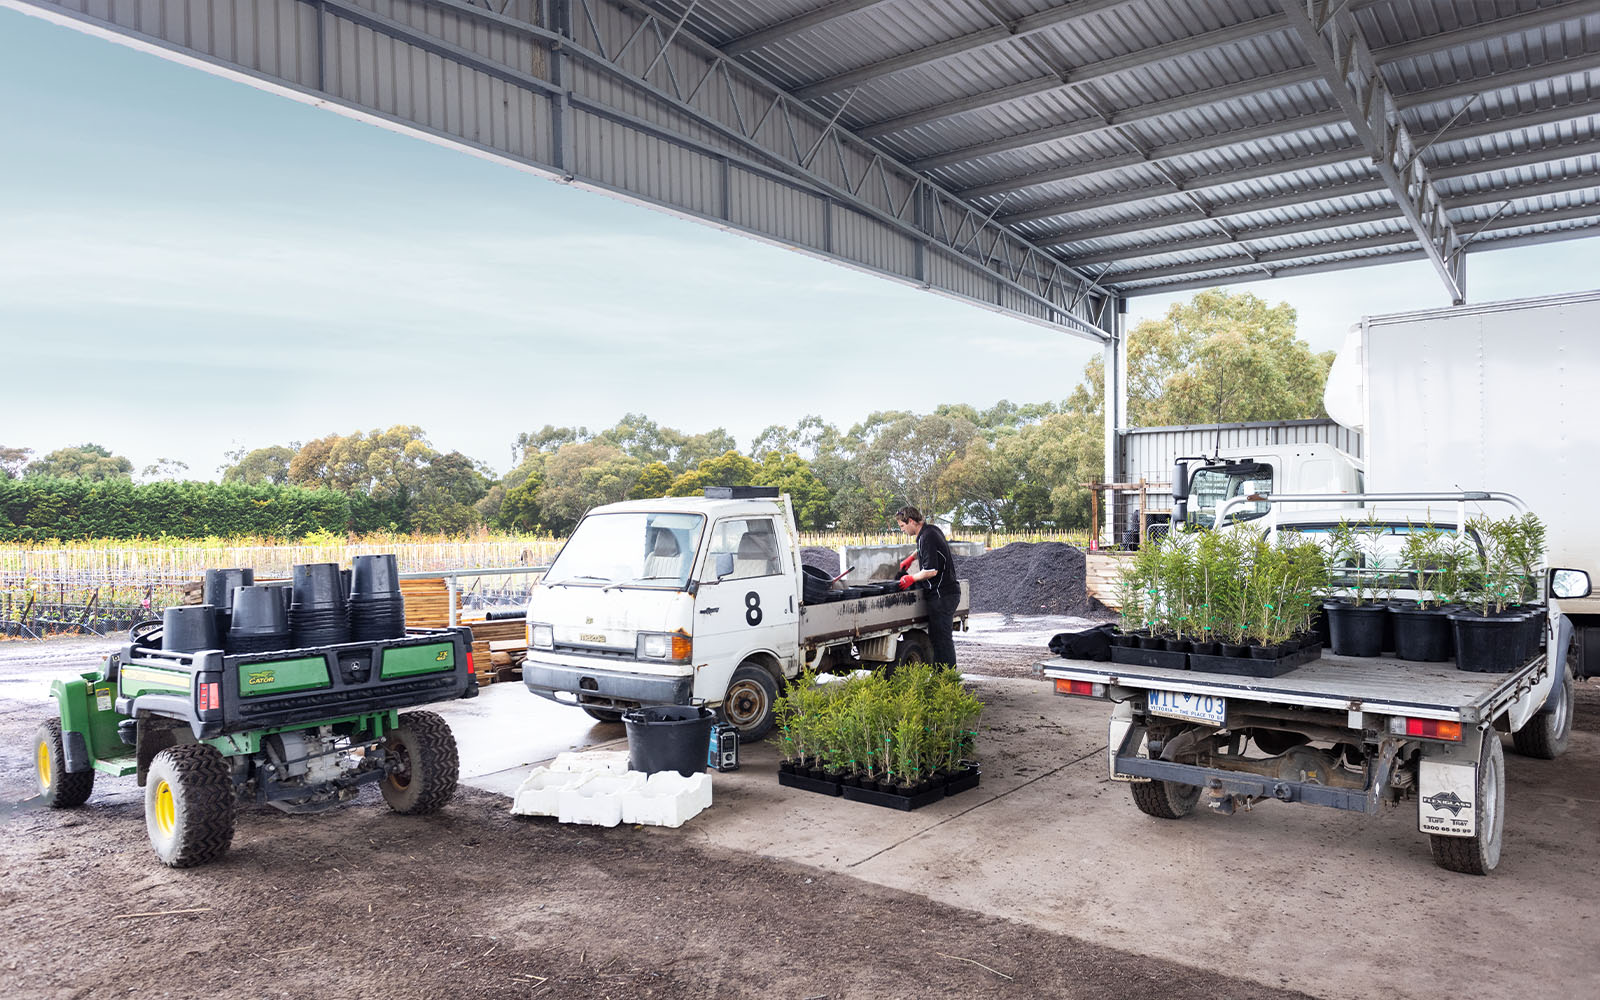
(262, 677)
(1448, 800)
(444, 654)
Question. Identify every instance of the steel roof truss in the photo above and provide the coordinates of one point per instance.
(1334, 42)
(797, 24)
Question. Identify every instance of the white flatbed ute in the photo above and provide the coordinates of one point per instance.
(1346, 732)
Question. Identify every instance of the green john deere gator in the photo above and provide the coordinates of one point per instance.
(297, 728)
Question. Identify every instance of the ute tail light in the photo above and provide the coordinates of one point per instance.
(1086, 689)
(1432, 729)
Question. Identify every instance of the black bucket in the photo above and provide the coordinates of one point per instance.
(189, 628)
(319, 586)
(668, 738)
(318, 615)
(260, 621)
(1356, 631)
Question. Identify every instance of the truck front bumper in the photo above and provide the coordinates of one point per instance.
(592, 685)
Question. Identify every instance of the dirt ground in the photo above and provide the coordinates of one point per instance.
(473, 902)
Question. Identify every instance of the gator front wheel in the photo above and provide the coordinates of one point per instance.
(188, 805)
(57, 788)
(422, 765)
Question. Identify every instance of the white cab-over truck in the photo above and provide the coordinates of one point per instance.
(1354, 733)
(660, 602)
(1445, 400)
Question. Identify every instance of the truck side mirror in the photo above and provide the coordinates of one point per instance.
(1180, 481)
(724, 564)
(1569, 583)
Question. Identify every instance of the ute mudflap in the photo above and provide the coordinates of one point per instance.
(294, 686)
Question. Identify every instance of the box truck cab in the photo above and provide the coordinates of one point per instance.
(1202, 484)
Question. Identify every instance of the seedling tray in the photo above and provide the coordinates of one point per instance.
(821, 786)
(953, 785)
(893, 800)
(1250, 666)
(1163, 658)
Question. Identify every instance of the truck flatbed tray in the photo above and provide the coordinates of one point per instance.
(863, 616)
(1380, 685)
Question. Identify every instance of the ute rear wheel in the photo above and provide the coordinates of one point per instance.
(57, 788)
(1165, 799)
(752, 696)
(188, 805)
(1479, 854)
(422, 765)
(1546, 734)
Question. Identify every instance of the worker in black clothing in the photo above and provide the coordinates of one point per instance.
(939, 570)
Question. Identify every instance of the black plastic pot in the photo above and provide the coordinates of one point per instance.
(318, 615)
(189, 628)
(1177, 645)
(1356, 631)
(377, 609)
(1152, 642)
(669, 738)
(375, 576)
(1422, 633)
(220, 584)
(1488, 645)
(1234, 649)
(1533, 631)
(260, 623)
(318, 585)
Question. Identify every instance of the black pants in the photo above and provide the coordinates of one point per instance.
(941, 612)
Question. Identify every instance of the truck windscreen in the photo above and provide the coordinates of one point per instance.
(632, 549)
(1209, 487)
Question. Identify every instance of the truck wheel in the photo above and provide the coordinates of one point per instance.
(58, 788)
(752, 694)
(1546, 734)
(602, 714)
(914, 648)
(1165, 799)
(188, 805)
(422, 763)
(1480, 854)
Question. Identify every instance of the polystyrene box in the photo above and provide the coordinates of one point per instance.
(615, 761)
(597, 801)
(667, 798)
(540, 791)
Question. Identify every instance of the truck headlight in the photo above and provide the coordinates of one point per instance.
(541, 637)
(663, 646)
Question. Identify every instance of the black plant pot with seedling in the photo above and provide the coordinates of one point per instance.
(1356, 630)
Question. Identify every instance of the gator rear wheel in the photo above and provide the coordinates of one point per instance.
(188, 805)
(57, 788)
(422, 765)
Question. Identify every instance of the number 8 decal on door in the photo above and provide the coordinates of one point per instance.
(752, 608)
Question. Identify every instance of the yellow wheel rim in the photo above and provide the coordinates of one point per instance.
(166, 809)
(43, 760)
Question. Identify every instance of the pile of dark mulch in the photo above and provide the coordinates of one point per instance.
(1029, 578)
(820, 557)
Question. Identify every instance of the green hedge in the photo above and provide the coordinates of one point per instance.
(35, 508)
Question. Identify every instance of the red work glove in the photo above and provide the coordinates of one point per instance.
(906, 582)
(905, 563)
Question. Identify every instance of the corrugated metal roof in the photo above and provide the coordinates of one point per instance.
(1167, 143)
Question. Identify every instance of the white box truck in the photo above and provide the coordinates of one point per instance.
(1475, 397)
(660, 602)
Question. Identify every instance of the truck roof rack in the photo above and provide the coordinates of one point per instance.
(741, 493)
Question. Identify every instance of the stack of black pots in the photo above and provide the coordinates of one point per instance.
(318, 614)
(219, 587)
(260, 621)
(377, 610)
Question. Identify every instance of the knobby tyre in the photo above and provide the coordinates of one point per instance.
(423, 765)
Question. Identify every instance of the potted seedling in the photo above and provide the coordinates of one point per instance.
(1421, 625)
(1355, 622)
(1489, 631)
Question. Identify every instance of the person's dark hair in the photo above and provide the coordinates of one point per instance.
(908, 514)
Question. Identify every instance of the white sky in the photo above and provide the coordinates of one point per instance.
(188, 265)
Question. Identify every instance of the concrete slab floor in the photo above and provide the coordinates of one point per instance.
(1332, 903)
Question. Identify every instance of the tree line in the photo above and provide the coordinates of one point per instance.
(1220, 357)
